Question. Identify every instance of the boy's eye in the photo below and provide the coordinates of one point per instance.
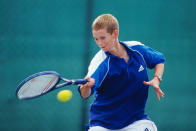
(102, 38)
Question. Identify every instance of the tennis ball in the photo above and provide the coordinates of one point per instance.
(64, 95)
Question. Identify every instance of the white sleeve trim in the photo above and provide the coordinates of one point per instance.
(95, 62)
(132, 43)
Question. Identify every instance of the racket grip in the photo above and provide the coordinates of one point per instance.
(80, 81)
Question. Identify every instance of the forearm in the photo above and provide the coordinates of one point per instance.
(159, 69)
(85, 91)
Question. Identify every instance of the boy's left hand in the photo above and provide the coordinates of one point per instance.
(155, 83)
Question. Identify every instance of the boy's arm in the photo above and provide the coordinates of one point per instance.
(85, 89)
(155, 82)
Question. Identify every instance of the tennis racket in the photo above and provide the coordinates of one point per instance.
(43, 82)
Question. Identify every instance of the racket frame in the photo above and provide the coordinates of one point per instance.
(56, 85)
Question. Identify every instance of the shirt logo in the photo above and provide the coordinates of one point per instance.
(141, 68)
(146, 129)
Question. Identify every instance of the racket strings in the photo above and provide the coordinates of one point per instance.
(49, 85)
(38, 85)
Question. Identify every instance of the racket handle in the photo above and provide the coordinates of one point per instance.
(79, 81)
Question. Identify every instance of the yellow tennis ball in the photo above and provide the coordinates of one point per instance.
(64, 95)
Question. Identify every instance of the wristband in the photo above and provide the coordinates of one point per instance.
(159, 78)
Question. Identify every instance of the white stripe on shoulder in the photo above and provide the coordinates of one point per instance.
(132, 43)
(95, 62)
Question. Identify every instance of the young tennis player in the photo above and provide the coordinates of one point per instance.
(118, 76)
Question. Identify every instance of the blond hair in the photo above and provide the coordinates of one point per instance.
(105, 21)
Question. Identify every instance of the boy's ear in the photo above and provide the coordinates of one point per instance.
(115, 32)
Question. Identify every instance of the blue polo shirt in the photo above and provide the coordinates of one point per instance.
(120, 95)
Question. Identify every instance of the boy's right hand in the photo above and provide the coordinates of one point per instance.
(90, 83)
(85, 89)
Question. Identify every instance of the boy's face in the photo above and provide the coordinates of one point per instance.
(104, 39)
